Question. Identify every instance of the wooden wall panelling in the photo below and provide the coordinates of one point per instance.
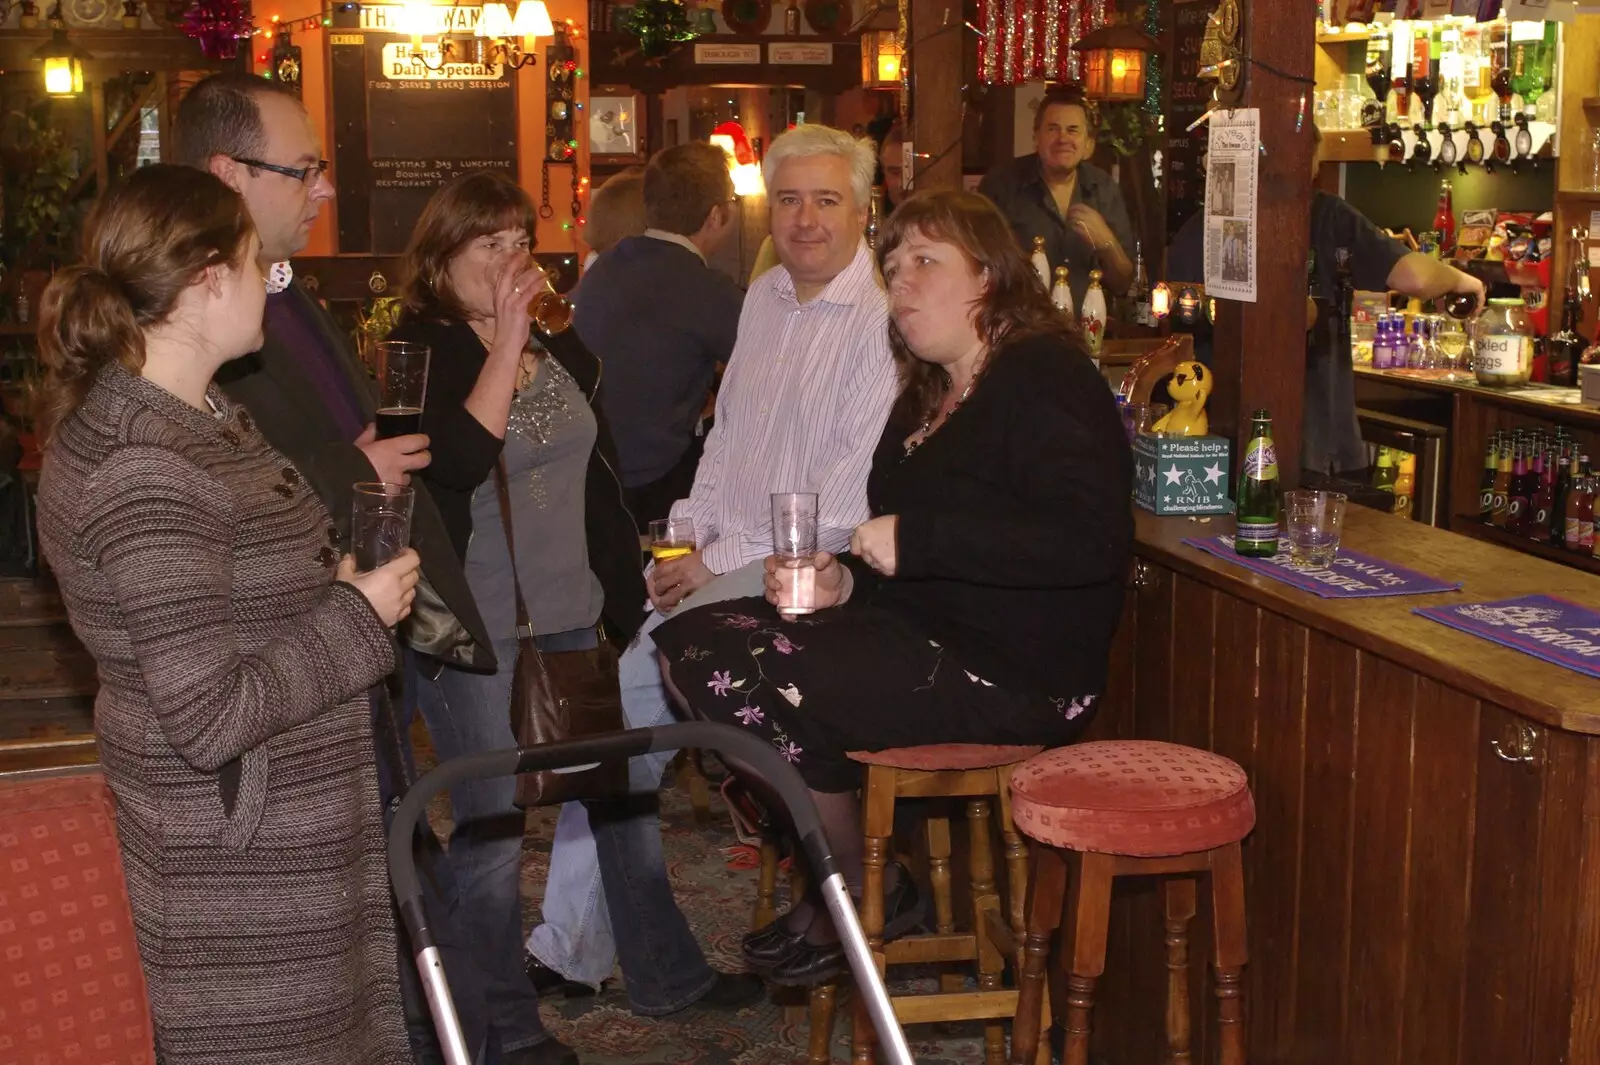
(1322, 926)
(1584, 1035)
(1561, 894)
(1385, 700)
(1500, 944)
(1272, 876)
(1444, 761)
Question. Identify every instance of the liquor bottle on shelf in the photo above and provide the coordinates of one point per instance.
(1502, 487)
(1500, 69)
(1092, 315)
(1139, 294)
(1444, 220)
(1400, 73)
(1544, 107)
(1061, 293)
(1564, 349)
(1041, 262)
(1452, 73)
(875, 216)
(1526, 64)
(1256, 532)
(1374, 112)
(1425, 69)
(1491, 470)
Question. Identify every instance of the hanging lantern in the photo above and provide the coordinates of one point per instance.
(63, 65)
(881, 56)
(1188, 306)
(1115, 59)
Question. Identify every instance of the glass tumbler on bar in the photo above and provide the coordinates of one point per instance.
(1314, 520)
(671, 538)
(380, 522)
(402, 387)
(794, 541)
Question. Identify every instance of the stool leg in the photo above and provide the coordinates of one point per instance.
(1016, 859)
(938, 835)
(819, 1045)
(1088, 910)
(1047, 884)
(766, 884)
(877, 826)
(1178, 898)
(693, 776)
(985, 900)
(1227, 918)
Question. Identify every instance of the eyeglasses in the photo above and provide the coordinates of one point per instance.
(306, 175)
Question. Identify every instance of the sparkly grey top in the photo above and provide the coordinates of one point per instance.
(549, 437)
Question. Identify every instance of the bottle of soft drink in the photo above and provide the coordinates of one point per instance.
(1571, 528)
(1544, 491)
(1381, 343)
(1519, 502)
(1384, 474)
(1417, 345)
(1558, 504)
(1586, 509)
(1405, 484)
(1256, 533)
(1491, 465)
(1502, 488)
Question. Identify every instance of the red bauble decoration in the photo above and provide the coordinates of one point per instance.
(218, 26)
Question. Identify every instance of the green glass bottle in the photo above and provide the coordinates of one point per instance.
(1259, 497)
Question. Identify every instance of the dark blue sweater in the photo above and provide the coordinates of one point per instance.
(660, 320)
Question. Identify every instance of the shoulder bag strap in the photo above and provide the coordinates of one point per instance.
(503, 488)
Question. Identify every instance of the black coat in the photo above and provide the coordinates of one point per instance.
(465, 453)
(275, 391)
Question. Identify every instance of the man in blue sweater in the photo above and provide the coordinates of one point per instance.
(661, 319)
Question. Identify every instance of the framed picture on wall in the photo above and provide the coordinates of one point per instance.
(616, 126)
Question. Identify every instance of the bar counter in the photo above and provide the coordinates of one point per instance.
(1423, 881)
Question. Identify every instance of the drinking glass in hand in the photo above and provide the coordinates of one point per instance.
(1314, 520)
(380, 522)
(794, 542)
(671, 538)
(402, 386)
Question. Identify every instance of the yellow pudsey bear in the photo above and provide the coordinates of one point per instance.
(1189, 387)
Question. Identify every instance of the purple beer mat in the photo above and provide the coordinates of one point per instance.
(1543, 626)
(1352, 575)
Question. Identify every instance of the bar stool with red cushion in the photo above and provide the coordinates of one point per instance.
(71, 988)
(1130, 808)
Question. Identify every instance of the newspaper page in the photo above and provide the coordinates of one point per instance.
(1232, 167)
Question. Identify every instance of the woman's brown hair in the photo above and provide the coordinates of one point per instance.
(1014, 304)
(145, 242)
(473, 205)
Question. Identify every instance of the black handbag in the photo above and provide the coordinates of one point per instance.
(560, 695)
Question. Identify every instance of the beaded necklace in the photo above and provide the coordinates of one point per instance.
(920, 437)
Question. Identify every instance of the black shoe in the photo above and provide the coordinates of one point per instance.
(732, 991)
(770, 944)
(811, 964)
(550, 1052)
(546, 981)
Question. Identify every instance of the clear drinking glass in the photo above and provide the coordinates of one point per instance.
(1452, 340)
(550, 310)
(794, 541)
(671, 538)
(380, 522)
(402, 386)
(1314, 520)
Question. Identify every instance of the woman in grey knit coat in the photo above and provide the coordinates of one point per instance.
(234, 646)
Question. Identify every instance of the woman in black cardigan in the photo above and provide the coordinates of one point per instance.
(495, 398)
(979, 603)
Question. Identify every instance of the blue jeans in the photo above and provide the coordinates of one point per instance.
(611, 863)
(467, 713)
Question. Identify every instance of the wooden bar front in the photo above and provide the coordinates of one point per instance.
(1414, 896)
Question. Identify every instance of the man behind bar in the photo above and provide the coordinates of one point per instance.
(313, 401)
(1057, 194)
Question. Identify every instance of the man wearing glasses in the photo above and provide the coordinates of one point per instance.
(314, 402)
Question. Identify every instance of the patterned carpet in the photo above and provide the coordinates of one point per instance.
(714, 879)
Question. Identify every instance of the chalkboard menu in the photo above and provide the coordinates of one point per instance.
(1187, 98)
(402, 129)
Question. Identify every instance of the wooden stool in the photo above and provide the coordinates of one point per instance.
(1130, 808)
(979, 773)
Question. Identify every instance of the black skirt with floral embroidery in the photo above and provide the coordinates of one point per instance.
(853, 678)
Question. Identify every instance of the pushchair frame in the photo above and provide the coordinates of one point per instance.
(570, 755)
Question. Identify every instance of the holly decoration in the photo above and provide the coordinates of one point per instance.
(659, 24)
(218, 26)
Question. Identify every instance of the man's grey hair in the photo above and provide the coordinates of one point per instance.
(859, 154)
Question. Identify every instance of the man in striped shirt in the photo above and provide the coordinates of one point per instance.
(802, 404)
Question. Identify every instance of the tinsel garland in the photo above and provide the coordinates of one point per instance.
(1155, 75)
(218, 26)
(659, 24)
(1023, 40)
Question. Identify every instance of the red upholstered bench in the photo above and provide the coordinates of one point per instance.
(71, 987)
(1131, 808)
